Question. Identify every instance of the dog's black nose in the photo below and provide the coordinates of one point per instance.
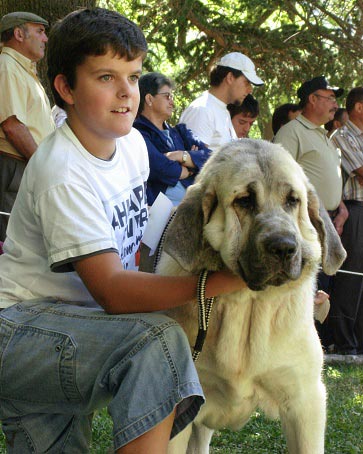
(283, 247)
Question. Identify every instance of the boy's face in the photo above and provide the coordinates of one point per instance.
(104, 101)
(242, 124)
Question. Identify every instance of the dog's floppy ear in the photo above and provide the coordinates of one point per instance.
(184, 239)
(333, 253)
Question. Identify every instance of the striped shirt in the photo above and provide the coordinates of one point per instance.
(349, 138)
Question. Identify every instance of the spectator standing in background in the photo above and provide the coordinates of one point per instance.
(243, 116)
(175, 155)
(230, 82)
(25, 113)
(346, 315)
(308, 143)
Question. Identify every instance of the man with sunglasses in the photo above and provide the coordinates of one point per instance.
(307, 141)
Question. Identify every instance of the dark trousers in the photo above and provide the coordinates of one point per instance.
(11, 172)
(345, 319)
(325, 283)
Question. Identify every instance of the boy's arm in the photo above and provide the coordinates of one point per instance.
(119, 291)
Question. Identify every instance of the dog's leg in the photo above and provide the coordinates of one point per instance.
(200, 439)
(179, 444)
(303, 421)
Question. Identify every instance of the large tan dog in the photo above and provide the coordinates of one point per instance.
(252, 210)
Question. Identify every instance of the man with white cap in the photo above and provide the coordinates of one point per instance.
(230, 82)
(25, 113)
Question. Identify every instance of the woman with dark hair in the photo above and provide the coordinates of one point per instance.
(175, 155)
(283, 114)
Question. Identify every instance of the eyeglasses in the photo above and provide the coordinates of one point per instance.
(329, 98)
(167, 95)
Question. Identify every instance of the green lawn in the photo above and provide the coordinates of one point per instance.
(344, 433)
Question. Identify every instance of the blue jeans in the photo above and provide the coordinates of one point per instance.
(61, 362)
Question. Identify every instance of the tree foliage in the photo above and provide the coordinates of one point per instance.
(289, 41)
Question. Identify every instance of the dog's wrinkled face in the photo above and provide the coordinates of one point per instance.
(253, 211)
(256, 216)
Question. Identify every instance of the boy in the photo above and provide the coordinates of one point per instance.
(76, 332)
(244, 115)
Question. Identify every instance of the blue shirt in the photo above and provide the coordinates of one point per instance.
(163, 171)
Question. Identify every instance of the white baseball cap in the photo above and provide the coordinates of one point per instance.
(242, 63)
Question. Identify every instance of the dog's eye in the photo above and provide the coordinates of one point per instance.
(291, 201)
(248, 202)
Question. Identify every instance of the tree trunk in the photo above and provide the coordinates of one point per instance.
(51, 10)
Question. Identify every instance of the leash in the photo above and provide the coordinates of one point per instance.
(204, 310)
(204, 304)
(159, 249)
(161, 244)
(355, 273)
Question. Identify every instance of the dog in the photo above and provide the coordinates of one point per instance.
(253, 211)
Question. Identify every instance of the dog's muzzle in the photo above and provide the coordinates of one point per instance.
(271, 259)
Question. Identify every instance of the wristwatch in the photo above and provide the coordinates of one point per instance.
(185, 156)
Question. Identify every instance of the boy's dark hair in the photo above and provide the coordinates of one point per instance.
(219, 73)
(88, 32)
(151, 83)
(281, 115)
(355, 95)
(249, 107)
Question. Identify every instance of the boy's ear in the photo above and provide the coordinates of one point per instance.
(63, 88)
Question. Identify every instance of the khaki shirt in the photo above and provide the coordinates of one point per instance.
(320, 159)
(22, 95)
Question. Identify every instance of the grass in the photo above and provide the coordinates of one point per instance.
(344, 433)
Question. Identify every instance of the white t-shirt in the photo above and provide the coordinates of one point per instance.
(71, 204)
(209, 119)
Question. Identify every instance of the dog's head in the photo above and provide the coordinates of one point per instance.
(253, 211)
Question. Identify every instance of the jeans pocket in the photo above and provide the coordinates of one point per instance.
(37, 365)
